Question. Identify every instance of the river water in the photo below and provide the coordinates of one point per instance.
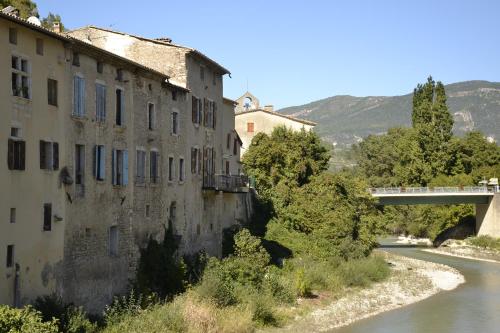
(473, 307)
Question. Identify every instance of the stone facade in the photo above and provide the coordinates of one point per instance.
(132, 160)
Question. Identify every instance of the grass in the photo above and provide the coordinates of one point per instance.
(485, 242)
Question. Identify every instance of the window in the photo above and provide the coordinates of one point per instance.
(194, 160)
(154, 167)
(120, 167)
(172, 212)
(119, 74)
(16, 154)
(49, 155)
(209, 113)
(100, 67)
(175, 123)
(202, 73)
(228, 142)
(235, 147)
(151, 116)
(148, 210)
(39, 46)
(47, 217)
(181, 169)
(174, 95)
(140, 167)
(113, 241)
(100, 102)
(170, 169)
(14, 132)
(13, 36)
(99, 162)
(196, 110)
(10, 256)
(250, 127)
(20, 77)
(227, 168)
(78, 96)
(119, 107)
(12, 215)
(150, 87)
(52, 92)
(79, 164)
(76, 59)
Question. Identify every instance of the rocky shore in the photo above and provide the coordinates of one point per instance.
(462, 249)
(411, 280)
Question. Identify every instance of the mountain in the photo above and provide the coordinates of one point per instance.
(345, 119)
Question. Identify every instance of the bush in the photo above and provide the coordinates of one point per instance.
(486, 242)
(360, 273)
(129, 305)
(279, 288)
(217, 285)
(26, 320)
(71, 319)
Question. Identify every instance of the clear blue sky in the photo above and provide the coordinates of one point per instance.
(292, 52)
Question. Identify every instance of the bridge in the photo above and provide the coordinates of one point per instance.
(486, 200)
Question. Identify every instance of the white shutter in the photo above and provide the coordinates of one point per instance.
(125, 167)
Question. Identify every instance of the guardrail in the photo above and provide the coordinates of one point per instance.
(226, 183)
(423, 190)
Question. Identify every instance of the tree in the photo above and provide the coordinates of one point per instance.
(29, 8)
(48, 22)
(433, 123)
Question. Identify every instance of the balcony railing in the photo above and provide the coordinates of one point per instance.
(423, 190)
(226, 183)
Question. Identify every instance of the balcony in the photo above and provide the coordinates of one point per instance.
(226, 183)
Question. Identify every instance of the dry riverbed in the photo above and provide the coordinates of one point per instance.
(411, 280)
(462, 249)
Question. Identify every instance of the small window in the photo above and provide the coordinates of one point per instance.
(227, 168)
(113, 241)
(120, 167)
(47, 217)
(194, 160)
(151, 116)
(78, 96)
(148, 211)
(154, 167)
(15, 132)
(175, 123)
(76, 59)
(10, 256)
(181, 169)
(198, 229)
(119, 107)
(150, 87)
(12, 215)
(52, 92)
(202, 73)
(170, 168)
(13, 36)
(49, 155)
(99, 162)
(228, 142)
(20, 79)
(119, 74)
(250, 127)
(79, 164)
(39, 46)
(100, 67)
(235, 147)
(16, 154)
(174, 95)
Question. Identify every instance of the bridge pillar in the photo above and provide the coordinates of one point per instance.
(488, 217)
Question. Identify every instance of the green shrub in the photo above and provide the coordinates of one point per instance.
(302, 285)
(361, 272)
(217, 284)
(26, 320)
(486, 242)
(279, 288)
(128, 306)
(264, 312)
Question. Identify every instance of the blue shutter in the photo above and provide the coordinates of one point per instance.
(113, 166)
(82, 96)
(122, 110)
(75, 95)
(125, 167)
(102, 163)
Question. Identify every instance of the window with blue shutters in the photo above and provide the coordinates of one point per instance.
(100, 100)
(99, 162)
(120, 167)
(78, 96)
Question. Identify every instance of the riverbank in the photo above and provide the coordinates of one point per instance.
(411, 280)
(463, 249)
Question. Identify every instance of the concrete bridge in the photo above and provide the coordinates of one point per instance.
(486, 200)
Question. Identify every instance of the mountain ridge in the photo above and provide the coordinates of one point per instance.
(345, 119)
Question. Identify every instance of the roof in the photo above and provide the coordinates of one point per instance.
(303, 121)
(163, 41)
(229, 101)
(83, 46)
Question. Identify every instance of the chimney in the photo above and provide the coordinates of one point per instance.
(56, 27)
(269, 108)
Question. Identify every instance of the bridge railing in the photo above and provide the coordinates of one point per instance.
(416, 190)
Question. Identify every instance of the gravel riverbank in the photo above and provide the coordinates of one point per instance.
(462, 249)
(411, 280)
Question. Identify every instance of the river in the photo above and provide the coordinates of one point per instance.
(473, 307)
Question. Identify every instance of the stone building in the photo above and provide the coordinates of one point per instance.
(105, 150)
(251, 119)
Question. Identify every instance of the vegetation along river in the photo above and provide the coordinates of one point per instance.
(472, 307)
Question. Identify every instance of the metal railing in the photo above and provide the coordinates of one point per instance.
(423, 190)
(226, 183)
